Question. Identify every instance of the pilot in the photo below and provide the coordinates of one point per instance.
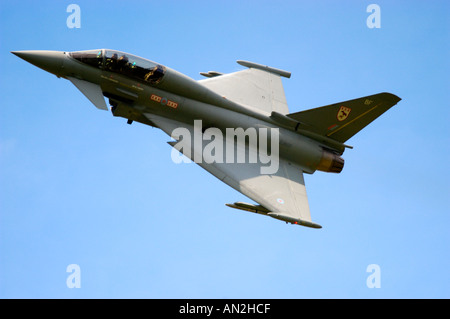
(111, 63)
(155, 75)
(122, 62)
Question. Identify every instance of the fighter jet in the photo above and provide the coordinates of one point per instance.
(197, 115)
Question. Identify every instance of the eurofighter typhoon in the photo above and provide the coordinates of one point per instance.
(237, 126)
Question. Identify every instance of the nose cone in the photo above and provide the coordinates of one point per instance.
(50, 61)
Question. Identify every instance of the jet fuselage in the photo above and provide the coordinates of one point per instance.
(136, 86)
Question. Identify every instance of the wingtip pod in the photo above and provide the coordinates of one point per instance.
(264, 211)
(293, 220)
(266, 68)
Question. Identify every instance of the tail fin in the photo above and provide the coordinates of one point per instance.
(342, 120)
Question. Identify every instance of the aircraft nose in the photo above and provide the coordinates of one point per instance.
(50, 61)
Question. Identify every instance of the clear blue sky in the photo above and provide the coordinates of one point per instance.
(78, 186)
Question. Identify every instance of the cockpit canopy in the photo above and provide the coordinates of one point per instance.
(122, 63)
